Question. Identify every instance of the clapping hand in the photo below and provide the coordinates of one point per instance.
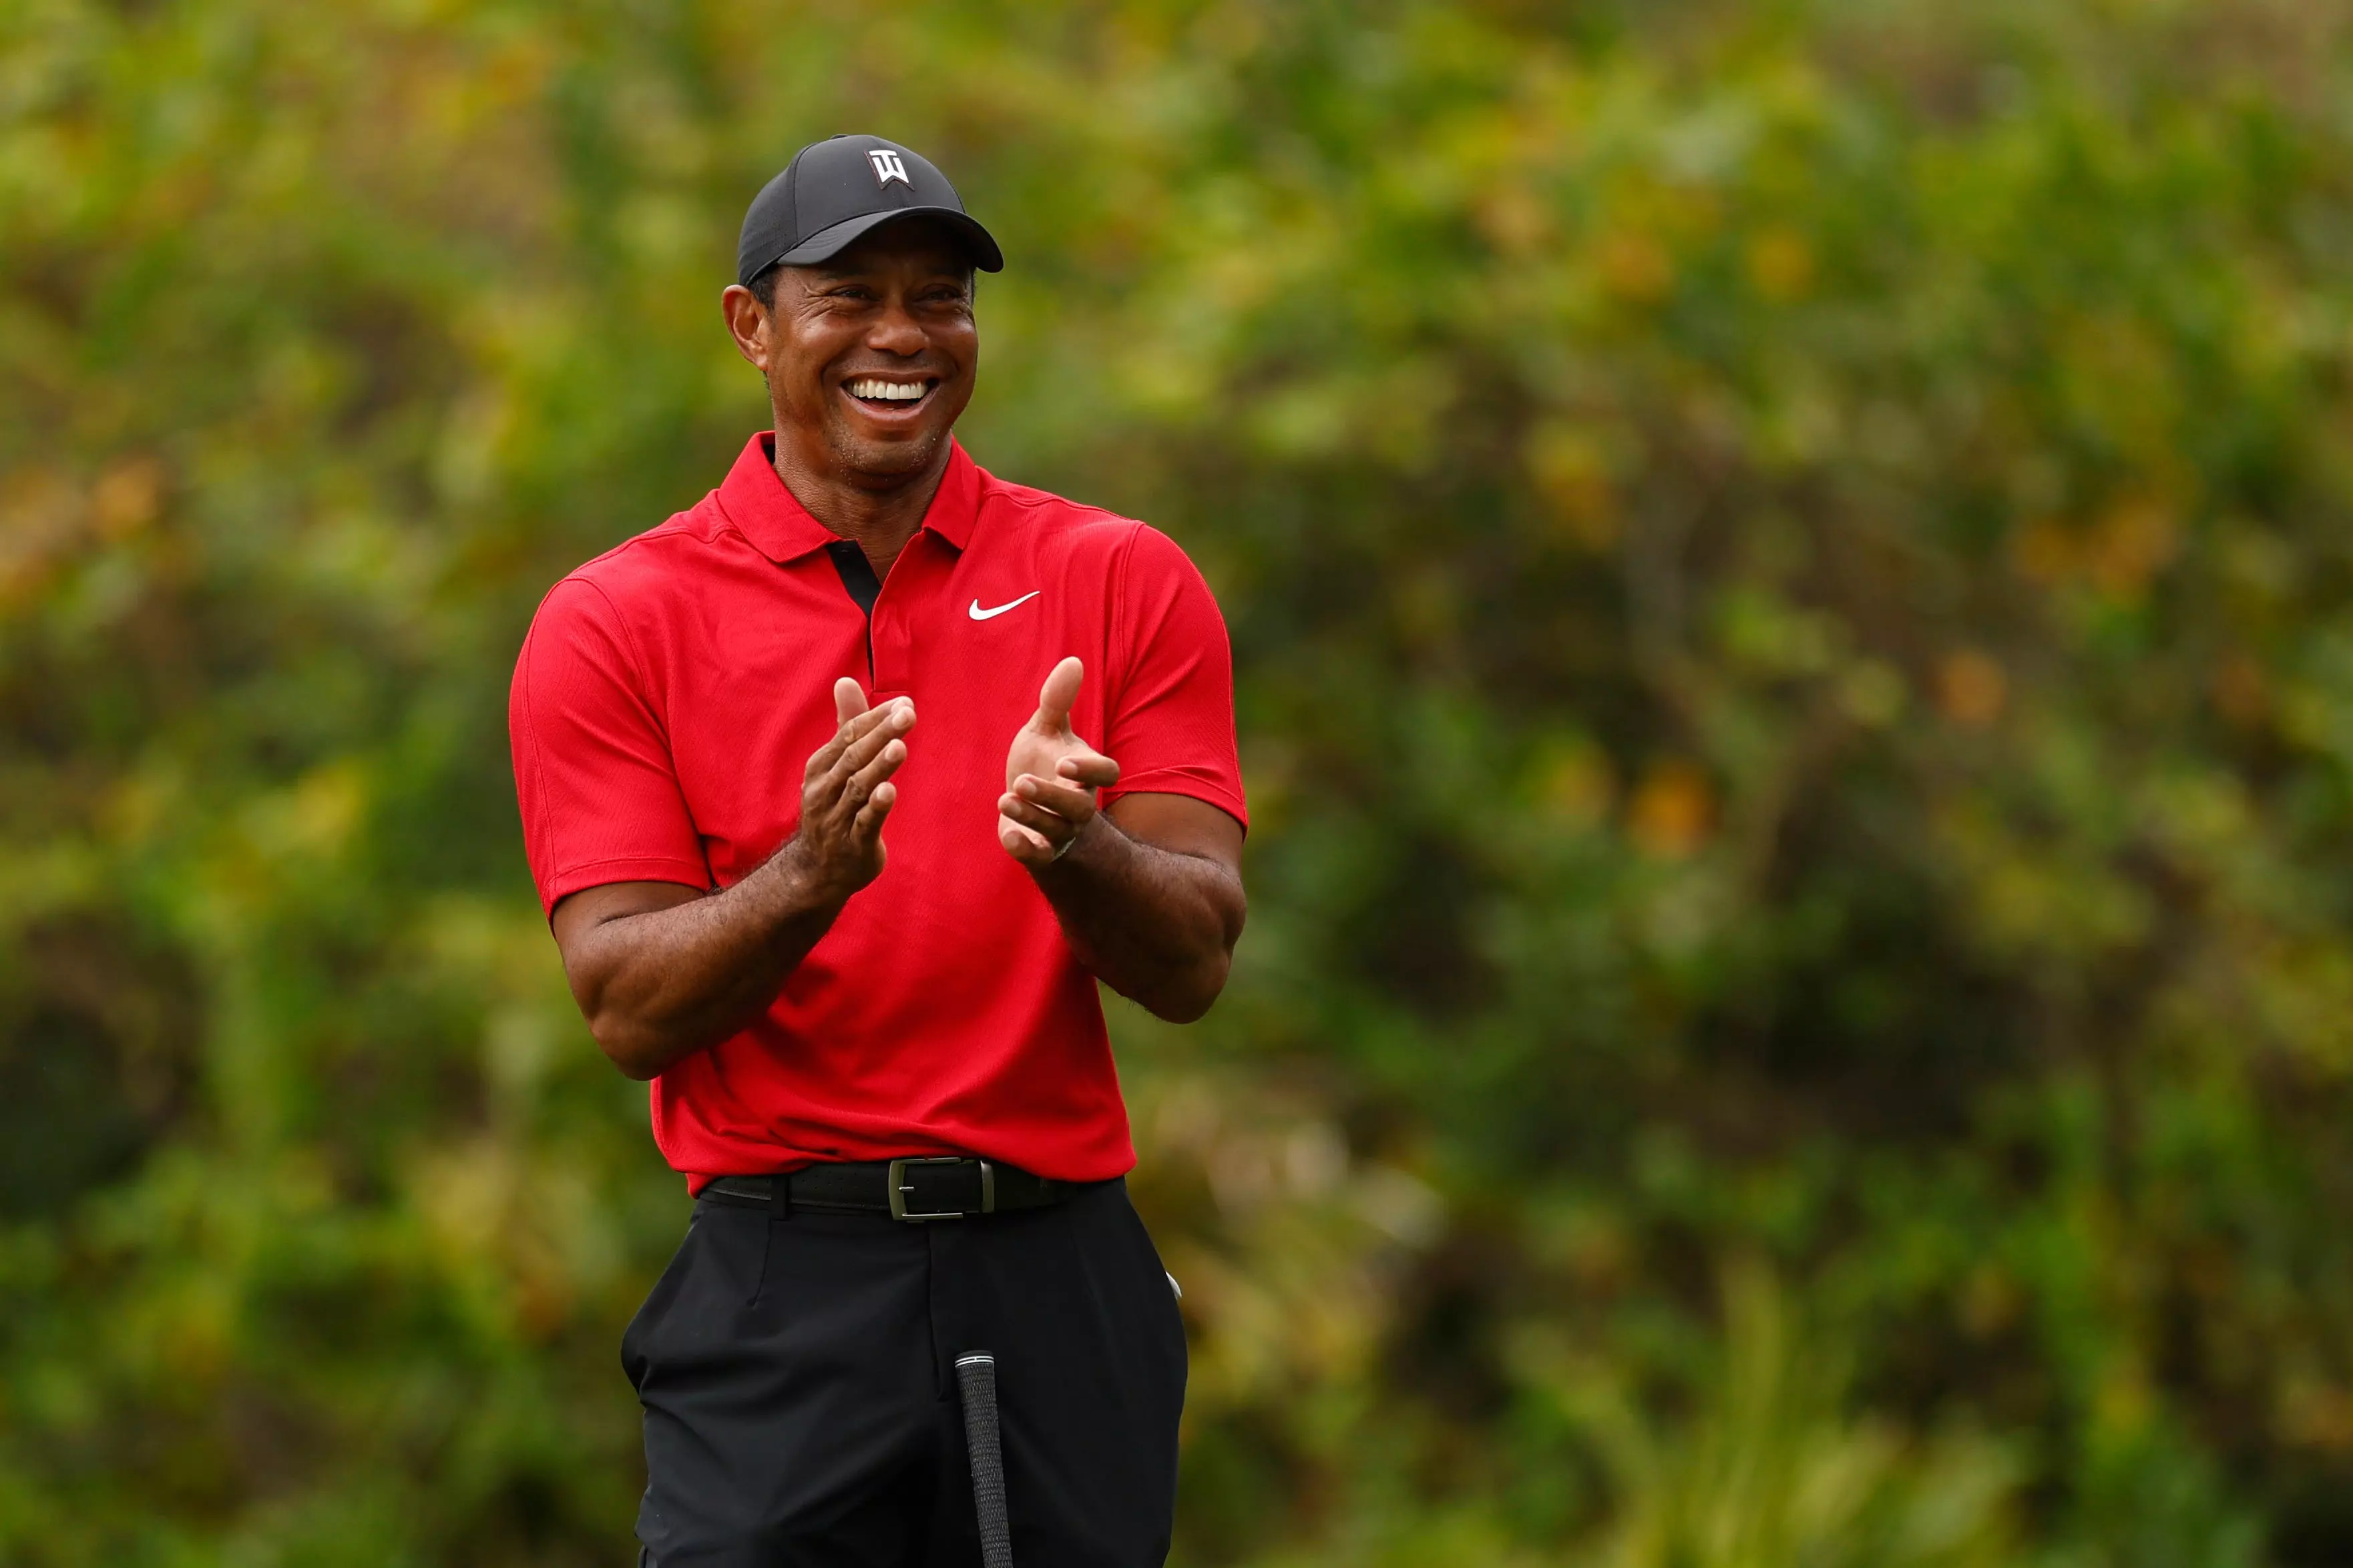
(846, 792)
(1051, 777)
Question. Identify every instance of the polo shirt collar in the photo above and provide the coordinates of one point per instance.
(756, 501)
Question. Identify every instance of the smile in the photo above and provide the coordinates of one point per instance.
(888, 391)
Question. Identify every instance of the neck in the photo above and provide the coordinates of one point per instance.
(881, 511)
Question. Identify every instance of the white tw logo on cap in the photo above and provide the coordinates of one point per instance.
(887, 167)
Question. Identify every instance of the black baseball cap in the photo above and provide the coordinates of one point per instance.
(836, 190)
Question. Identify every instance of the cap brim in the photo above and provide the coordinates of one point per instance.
(827, 242)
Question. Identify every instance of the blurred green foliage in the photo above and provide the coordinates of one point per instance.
(1789, 571)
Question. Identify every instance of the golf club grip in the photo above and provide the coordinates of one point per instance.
(976, 1382)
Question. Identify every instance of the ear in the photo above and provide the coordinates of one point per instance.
(748, 323)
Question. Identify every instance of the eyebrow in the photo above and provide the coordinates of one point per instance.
(959, 281)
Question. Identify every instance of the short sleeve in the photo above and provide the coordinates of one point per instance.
(1171, 727)
(600, 794)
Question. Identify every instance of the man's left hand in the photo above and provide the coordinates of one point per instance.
(1051, 777)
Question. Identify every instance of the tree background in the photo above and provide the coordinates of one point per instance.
(1788, 566)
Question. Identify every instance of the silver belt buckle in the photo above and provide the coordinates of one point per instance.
(900, 1189)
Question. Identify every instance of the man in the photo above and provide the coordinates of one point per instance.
(857, 957)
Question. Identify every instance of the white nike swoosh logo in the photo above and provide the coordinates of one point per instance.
(977, 614)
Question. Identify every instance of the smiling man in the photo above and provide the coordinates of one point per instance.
(857, 954)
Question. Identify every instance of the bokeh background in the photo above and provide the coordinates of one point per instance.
(1791, 574)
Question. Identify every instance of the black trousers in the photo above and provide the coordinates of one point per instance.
(799, 1388)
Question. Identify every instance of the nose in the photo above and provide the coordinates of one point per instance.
(896, 331)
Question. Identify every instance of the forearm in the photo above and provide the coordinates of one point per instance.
(660, 972)
(1155, 925)
(659, 985)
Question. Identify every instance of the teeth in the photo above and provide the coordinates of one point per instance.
(896, 391)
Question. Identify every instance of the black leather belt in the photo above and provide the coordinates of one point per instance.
(940, 1187)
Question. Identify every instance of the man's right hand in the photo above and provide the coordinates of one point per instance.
(661, 970)
(847, 793)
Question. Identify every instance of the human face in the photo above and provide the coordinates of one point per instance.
(869, 356)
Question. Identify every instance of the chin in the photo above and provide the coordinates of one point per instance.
(892, 456)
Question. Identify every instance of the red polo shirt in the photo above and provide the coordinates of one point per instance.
(667, 699)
